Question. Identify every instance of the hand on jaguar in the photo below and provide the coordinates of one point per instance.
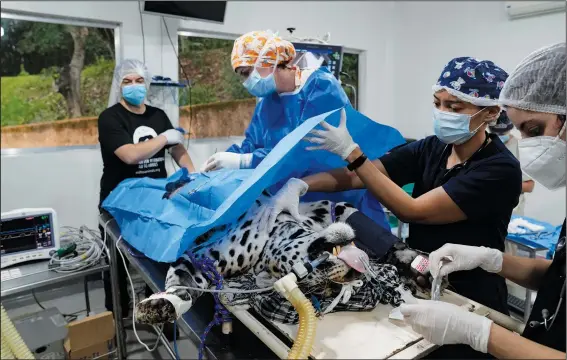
(286, 199)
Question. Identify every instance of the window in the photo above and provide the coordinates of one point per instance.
(349, 77)
(55, 81)
(221, 105)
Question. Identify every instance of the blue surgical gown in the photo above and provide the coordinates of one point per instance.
(278, 115)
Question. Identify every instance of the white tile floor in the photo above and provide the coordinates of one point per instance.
(69, 299)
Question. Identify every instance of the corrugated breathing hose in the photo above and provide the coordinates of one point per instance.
(307, 325)
(13, 346)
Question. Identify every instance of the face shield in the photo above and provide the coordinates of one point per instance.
(256, 84)
(125, 68)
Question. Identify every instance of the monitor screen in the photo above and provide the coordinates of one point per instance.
(25, 234)
(331, 55)
(201, 10)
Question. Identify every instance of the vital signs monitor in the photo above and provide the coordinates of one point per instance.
(28, 234)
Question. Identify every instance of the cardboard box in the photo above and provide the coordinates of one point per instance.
(91, 337)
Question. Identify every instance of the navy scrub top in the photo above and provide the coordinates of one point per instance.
(486, 188)
(551, 296)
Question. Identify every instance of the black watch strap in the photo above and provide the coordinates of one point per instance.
(357, 163)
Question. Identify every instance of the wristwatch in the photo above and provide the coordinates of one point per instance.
(357, 163)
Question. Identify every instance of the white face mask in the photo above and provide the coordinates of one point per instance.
(543, 159)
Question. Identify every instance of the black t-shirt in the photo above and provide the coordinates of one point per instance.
(117, 127)
(551, 293)
(486, 188)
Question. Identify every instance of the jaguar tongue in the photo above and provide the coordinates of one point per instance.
(351, 255)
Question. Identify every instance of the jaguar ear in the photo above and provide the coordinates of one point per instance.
(338, 233)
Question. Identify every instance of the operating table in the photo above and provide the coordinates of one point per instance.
(360, 335)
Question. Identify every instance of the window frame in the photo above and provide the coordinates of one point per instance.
(206, 34)
(64, 20)
(230, 36)
(361, 73)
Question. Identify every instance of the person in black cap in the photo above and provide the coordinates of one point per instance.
(503, 129)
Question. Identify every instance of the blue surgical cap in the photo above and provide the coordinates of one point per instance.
(475, 81)
(503, 124)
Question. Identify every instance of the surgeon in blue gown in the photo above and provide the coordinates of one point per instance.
(287, 97)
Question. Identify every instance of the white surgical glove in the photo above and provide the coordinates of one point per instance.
(227, 160)
(286, 199)
(443, 323)
(173, 136)
(335, 139)
(464, 258)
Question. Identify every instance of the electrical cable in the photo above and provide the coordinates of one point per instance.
(134, 298)
(37, 301)
(90, 249)
(180, 287)
(142, 28)
(189, 84)
(175, 341)
(72, 315)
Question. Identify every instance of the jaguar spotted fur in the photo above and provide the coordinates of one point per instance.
(242, 247)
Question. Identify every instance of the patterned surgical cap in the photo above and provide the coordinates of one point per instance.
(251, 46)
(475, 81)
(503, 124)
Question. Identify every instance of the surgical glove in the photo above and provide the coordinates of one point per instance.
(443, 323)
(227, 160)
(287, 199)
(173, 136)
(464, 258)
(334, 139)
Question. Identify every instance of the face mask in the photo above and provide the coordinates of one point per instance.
(134, 94)
(453, 128)
(504, 138)
(543, 159)
(259, 86)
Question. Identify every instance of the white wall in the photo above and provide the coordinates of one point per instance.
(429, 34)
(404, 46)
(69, 180)
(359, 25)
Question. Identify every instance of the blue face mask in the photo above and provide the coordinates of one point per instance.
(453, 128)
(504, 138)
(259, 86)
(134, 94)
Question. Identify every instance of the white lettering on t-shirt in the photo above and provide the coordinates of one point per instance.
(149, 166)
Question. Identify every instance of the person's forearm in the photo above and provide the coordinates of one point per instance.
(338, 180)
(504, 344)
(182, 158)
(528, 186)
(385, 190)
(523, 271)
(134, 153)
(333, 181)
